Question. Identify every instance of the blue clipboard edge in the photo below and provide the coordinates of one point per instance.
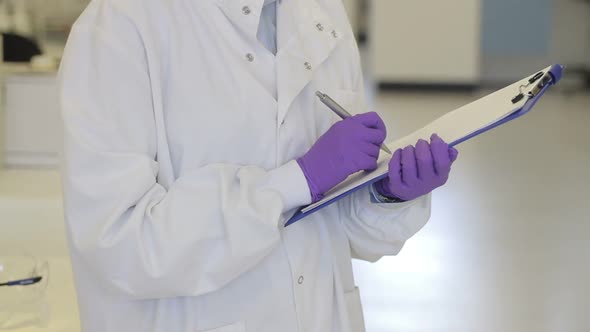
(556, 72)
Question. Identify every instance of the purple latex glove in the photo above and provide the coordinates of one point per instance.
(349, 146)
(414, 172)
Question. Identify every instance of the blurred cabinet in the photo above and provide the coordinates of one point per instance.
(31, 119)
(426, 42)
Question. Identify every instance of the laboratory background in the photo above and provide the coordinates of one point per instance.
(506, 248)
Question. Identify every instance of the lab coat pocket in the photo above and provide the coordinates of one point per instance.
(355, 310)
(236, 327)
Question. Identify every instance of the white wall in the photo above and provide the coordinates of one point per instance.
(435, 38)
(571, 33)
(55, 12)
(568, 41)
(59, 11)
(32, 126)
(425, 41)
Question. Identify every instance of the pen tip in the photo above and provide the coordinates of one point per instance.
(319, 94)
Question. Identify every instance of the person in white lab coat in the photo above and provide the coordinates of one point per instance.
(187, 125)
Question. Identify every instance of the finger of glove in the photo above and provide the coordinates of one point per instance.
(409, 170)
(366, 163)
(374, 136)
(372, 150)
(424, 160)
(453, 153)
(371, 120)
(441, 156)
(395, 170)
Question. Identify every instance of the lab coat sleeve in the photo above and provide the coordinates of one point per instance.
(375, 230)
(138, 238)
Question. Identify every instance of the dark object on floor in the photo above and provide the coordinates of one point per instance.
(18, 48)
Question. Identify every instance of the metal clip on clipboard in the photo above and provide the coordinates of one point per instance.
(545, 79)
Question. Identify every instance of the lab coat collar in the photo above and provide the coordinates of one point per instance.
(306, 35)
(245, 14)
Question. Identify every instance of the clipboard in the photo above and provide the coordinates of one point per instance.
(511, 102)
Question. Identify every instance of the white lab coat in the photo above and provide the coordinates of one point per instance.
(179, 169)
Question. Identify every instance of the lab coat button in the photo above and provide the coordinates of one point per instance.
(246, 10)
(300, 280)
(334, 34)
(307, 65)
(282, 122)
(320, 27)
(250, 57)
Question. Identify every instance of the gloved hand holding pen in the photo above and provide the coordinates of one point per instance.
(349, 146)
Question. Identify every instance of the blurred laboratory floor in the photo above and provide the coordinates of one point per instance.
(506, 248)
(31, 223)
